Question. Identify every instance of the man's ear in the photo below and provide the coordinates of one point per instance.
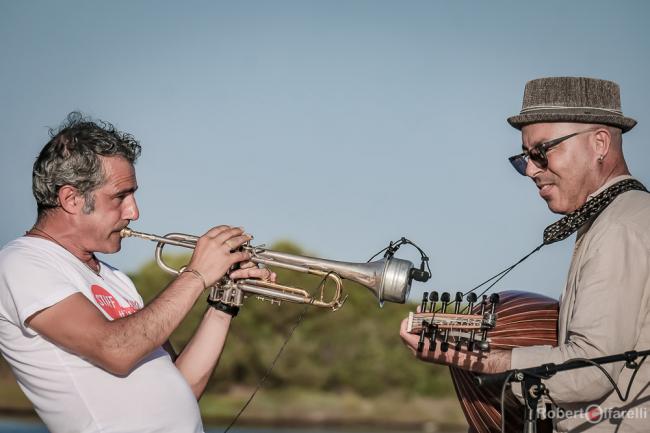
(71, 201)
(603, 140)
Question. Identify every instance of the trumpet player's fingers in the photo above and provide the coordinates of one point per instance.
(213, 257)
(214, 231)
(239, 256)
(234, 243)
(233, 237)
(223, 236)
(272, 276)
(254, 272)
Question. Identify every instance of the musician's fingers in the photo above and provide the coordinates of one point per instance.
(402, 328)
(246, 265)
(239, 256)
(214, 231)
(233, 240)
(407, 338)
(255, 272)
(411, 342)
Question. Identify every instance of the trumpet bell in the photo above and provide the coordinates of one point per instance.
(394, 280)
(389, 279)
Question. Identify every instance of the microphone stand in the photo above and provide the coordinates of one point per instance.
(532, 387)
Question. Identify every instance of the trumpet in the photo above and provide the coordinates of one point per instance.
(389, 279)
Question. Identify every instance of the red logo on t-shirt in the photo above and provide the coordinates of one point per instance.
(109, 304)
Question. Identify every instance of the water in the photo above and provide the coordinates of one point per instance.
(22, 426)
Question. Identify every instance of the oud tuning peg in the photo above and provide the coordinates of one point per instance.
(471, 300)
(483, 346)
(445, 298)
(445, 345)
(489, 319)
(482, 342)
(433, 333)
(457, 301)
(423, 305)
(433, 298)
(423, 335)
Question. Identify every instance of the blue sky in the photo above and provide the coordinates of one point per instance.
(339, 125)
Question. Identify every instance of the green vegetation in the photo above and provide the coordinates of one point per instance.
(349, 365)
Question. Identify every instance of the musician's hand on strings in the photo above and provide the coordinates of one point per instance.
(494, 361)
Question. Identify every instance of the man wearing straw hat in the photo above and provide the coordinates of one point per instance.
(571, 131)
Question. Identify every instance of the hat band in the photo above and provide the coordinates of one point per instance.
(559, 107)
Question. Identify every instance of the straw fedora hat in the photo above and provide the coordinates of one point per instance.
(572, 99)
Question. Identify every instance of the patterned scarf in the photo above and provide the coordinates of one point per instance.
(589, 211)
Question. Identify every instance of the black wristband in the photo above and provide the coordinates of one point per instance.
(220, 306)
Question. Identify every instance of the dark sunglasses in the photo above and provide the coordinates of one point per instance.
(538, 153)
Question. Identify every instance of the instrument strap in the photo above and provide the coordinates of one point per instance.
(589, 211)
(569, 224)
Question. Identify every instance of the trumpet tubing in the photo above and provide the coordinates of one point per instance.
(389, 279)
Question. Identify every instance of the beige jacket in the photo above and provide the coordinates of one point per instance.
(604, 310)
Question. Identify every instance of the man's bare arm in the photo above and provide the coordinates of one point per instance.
(200, 356)
(78, 326)
(118, 345)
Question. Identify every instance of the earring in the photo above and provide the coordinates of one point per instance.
(600, 158)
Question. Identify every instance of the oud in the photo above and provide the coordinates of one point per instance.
(516, 319)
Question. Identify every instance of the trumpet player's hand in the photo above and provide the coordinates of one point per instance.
(217, 250)
(252, 270)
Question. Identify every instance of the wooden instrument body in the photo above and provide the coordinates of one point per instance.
(523, 319)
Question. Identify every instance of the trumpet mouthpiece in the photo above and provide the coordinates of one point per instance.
(126, 232)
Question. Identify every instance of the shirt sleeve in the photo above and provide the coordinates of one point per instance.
(34, 283)
(610, 305)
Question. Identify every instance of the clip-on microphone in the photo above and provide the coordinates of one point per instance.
(422, 275)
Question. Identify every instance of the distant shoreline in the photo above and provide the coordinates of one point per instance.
(28, 414)
(393, 411)
(17, 412)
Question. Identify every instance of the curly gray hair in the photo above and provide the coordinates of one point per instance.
(71, 157)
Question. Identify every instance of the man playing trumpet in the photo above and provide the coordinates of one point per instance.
(83, 347)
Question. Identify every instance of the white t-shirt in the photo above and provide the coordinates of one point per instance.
(69, 393)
